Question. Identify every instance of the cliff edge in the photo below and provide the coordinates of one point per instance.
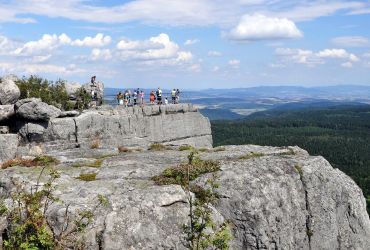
(273, 198)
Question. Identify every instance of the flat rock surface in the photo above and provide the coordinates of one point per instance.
(281, 198)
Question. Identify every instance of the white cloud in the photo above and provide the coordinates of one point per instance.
(191, 41)
(311, 58)
(215, 68)
(98, 41)
(179, 12)
(234, 63)
(158, 48)
(347, 65)
(35, 68)
(259, 27)
(46, 43)
(214, 53)
(100, 54)
(337, 53)
(195, 68)
(299, 56)
(351, 41)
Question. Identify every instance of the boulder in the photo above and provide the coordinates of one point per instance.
(9, 91)
(35, 109)
(97, 87)
(6, 112)
(8, 146)
(4, 129)
(72, 87)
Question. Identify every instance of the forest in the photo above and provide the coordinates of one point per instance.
(341, 134)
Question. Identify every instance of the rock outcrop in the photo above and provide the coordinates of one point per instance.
(113, 127)
(8, 146)
(6, 112)
(9, 91)
(280, 199)
(35, 109)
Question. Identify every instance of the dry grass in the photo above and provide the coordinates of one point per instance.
(95, 144)
(157, 147)
(123, 149)
(250, 156)
(43, 160)
(218, 149)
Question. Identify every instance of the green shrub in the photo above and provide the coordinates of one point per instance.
(179, 174)
(28, 227)
(87, 177)
(49, 92)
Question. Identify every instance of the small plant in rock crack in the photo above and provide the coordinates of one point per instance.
(27, 224)
(201, 231)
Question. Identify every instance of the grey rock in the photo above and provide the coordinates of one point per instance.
(6, 112)
(8, 146)
(97, 87)
(9, 91)
(32, 131)
(35, 109)
(270, 203)
(133, 126)
(71, 113)
(72, 87)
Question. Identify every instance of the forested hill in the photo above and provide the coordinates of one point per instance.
(341, 134)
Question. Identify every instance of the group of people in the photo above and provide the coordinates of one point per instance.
(136, 97)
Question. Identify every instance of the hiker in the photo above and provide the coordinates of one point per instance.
(166, 101)
(142, 97)
(120, 98)
(159, 96)
(134, 96)
(152, 97)
(126, 98)
(173, 95)
(93, 78)
(177, 96)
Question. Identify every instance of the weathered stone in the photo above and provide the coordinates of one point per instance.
(34, 109)
(134, 126)
(32, 131)
(72, 87)
(4, 129)
(8, 146)
(71, 113)
(6, 112)
(282, 199)
(9, 91)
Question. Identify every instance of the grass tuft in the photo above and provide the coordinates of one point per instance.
(250, 156)
(299, 170)
(95, 144)
(43, 160)
(87, 177)
(179, 174)
(218, 149)
(186, 147)
(157, 147)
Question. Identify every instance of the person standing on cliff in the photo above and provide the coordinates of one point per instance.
(142, 97)
(159, 96)
(152, 97)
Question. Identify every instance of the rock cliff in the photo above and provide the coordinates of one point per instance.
(112, 127)
(281, 199)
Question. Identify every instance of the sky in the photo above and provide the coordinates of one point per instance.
(188, 44)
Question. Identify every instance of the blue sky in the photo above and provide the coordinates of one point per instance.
(188, 44)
